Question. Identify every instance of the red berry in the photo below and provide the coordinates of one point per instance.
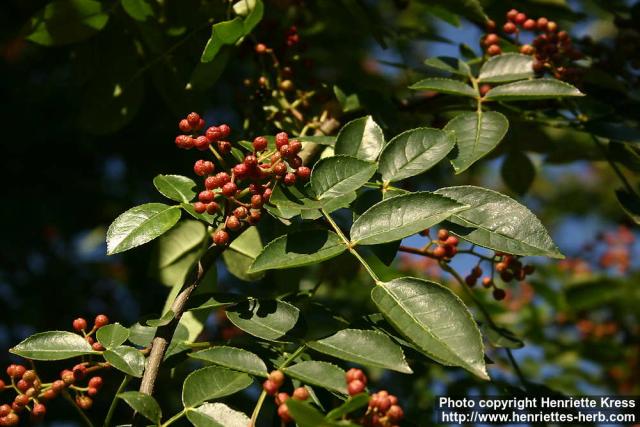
(509, 28)
(4, 410)
(241, 170)
(491, 39)
(277, 377)
(229, 189)
(511, 15)
(490, 25)
(384, 403)
(281, 139)
(203, 167)
(225, 130)
(526, 49)
(487, 282)
(202, 143)
(440, 252)
(542, 23)
(529, 269)
(193, 119)
(251, 161)
(233, 223)
(529, 24)
(451, 250)
(254, 216)
(67, 377)
(484, 89)
(39, 410)
(184, 141)
(19, 371)
(212, 134)
(211, 182)
(221, 238)
(270, 387)
(184, 125)
(355, 374)
(295, 162)
(97, 346)
(260, 143)
(101, 320)
(224, 147)
(30, 376)
(212, 208)
(79, 324)
(290, 179)
(79, 371)
(355, 387)
(284, 150)
(520, 18)
(92, 391)
(552, 27)
(301, 393)
(256, 201)
(206, 196)
(11, 420)
(200, 124)
(95, 382)
(84, 402)
(294, 147)
(499, 294)
(22, 385)
(21, 400)
(223, 178)
(240, 212)
(280, 169)
(452, 240)
(506, 276)
(199, 207)
(283, 413)
(58, 386)
(281, 398)
(443, 234)
(395, 413)
(303, 173)
(267, 194)
(2, 385)
(477, 271)
(260, 48)
(470, 280)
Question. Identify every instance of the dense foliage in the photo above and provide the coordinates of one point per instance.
(333, 208)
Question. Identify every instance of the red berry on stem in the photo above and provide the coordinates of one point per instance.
(284, 150)
(225, 130)
(240, 212)
(184, 125)
(294, 147)
(96, 346)
(552, 26)
(256, 201)
(224, 147)
(202, 143)
(251, 161)
(221, 238)
(84, 402)
(203, 167)
(212, 133)
(260, 143)
(95, 382)
(499, 294)
(281, 398)
(223, 178)
(283, 413)
(490, 25)
(206, 196)
(511, 15)
(277, 377)
(395, 413)
(101, 320)
(193, 119)
(542, 23)
(212, 208)
(529, 24)
(443, 234)
(290, 179)
(260, 48)
(281, 139)
(520, 18)
(509, 28)
(491, 39)
(440, 252)
(303, 173)
(39, 410)
(527, 49)
(355, 387)
(452, 240)
(241, 170)
(484, 89)
(80, 324)
(280, 169)
(301, 393)
(470, 280)
(233, 223)
(199, 207)
(229, 189)
(270, 387)
(487, 282)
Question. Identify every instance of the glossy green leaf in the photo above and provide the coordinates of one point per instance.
(402, 216)
(68, 21)
(507, 67)
(497, 222)
(234, 358)
(531, 90)
(52, 345)
(448, 86)
(175, 187)
(477, 134)
(501, 337)
(139, 10)
(349, 102)
(179, 241)
(242, 252)
(143, 404)
(266, 319)
(449, 65)
(306, 415)
(253, 16)
(293, 202)
(112, 335)
(188, 208)
(350, 405)
(321, 374)
(434, 319)
(298, 249)
(212, 382)
(361, 138)
(140, 225)
(126, 359)
(338, 175)
(414, 152)
(222, 33)
(217, 415)
(369, 348)
(518, 172)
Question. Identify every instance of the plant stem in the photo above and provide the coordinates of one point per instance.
(114, 402)
(175, 418)
(516, 368)
(350, 246)
(84, 417)
(613, 165)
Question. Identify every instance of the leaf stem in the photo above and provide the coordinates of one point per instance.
(84, 416)
(613, 165)
(516, 367)
(114, 402)
(175, 418)
(350, 246)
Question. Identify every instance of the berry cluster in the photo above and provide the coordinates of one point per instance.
(272, 385)
(617, 251)
(552, 49)
(509, 268)
(31, 392)
(383, 409)
(291, 37)
(239, 192)
(446, 245)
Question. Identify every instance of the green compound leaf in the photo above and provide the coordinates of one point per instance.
(52, 345)
(361, 138)
(369, 348)
(448, 86)
(175, 187)
(266, 319)
(144, 404)
(112, 335)
(321, 374)
(212, 382)
(507, 67)
(140, 225)
(526, 90)
(435, 320)
(217, 415)
(298, 249)
(498, 222)
(477, 134)
(401, 216)
(233, 358)
(126, 359)
(338, 175)
(414, 152)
